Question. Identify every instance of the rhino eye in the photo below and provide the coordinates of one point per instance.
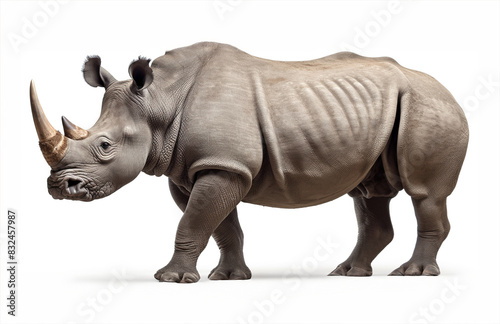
(105, 145)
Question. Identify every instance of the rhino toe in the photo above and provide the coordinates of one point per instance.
(173, 274)
(222, 273)
(417, 268)
(351, 271)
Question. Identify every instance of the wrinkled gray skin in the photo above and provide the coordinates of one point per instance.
(226, 127)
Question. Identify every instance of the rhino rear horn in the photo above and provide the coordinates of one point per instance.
(52, 143)
(72, 131)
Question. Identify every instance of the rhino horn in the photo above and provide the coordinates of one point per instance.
(52, 143)
(72, 131)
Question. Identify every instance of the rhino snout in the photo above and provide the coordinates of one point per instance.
(68, 187)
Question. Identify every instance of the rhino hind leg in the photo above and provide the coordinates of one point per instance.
(374, 234)
(429, 180)
(432, 142)
(433, 228)
(229, 238)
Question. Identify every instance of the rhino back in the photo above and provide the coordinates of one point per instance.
(303, 132)
(323, 128)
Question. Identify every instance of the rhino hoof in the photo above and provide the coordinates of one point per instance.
(346, 270)
(415, 268)
(235, 274)
(177, 276)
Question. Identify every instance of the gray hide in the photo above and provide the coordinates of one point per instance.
(225, 127)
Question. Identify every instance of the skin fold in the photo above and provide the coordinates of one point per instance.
(226, 127)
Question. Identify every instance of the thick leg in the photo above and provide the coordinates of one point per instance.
(215, 194)
(433, 227)
(229, 238)
(374, 233)
(432, 142)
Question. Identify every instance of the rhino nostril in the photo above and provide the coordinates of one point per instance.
(73, 186)
(73, 183)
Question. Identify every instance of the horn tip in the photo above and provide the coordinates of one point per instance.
(67, 124)
(33, 89)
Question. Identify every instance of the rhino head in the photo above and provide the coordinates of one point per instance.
(92, 164)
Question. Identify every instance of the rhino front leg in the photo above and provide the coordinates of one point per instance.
(229, 238)
(215, 194)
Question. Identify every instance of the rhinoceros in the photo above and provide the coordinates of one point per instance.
(226, 127)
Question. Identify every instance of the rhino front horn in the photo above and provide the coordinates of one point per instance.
(72, 131)
(52, 143)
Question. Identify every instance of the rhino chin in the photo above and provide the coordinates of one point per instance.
(61, 192)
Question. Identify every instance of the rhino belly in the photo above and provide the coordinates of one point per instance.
(305, 187)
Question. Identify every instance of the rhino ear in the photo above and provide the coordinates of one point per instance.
(141, 74)
(94, 74)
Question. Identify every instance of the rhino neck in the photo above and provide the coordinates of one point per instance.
(175, 75)
(162, 148)
(164, 119)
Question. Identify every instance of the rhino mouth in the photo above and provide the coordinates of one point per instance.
(76, 188)
(68, 188)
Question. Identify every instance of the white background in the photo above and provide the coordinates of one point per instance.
(94, 262)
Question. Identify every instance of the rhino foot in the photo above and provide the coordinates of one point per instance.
(171, 274)
(228, 272)
(417, 268)
(345, 269)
